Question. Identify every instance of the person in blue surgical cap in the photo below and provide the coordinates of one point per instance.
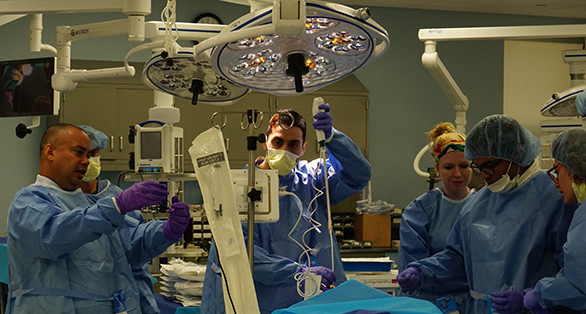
(96, 189)
(69, 253)
(568, 287)
(427, 221)
(510, 234)
(276, 255)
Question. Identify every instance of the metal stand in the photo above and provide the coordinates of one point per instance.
(254, 195)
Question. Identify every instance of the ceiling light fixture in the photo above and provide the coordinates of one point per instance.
(334, 42)
(186, 77)
(563, 104)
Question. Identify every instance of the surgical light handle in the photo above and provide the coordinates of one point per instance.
(320, 134)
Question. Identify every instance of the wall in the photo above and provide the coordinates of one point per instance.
(534, 71)
(405, 101)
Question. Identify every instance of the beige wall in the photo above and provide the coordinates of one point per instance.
(533, 71)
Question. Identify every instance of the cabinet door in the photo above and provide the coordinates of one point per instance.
(93, 106)
(132, 108)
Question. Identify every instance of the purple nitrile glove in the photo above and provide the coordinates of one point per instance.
(179, 217)
(508, 302)
(323, 120)
(328, 277)
(531, 303)
(409, 278)
(141, 194)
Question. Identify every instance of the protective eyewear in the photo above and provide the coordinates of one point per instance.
(487, 167)
(553, 172)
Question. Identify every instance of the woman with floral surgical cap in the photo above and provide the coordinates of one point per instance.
(427, 221)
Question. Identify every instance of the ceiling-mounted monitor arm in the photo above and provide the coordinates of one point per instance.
(448, 85)
(66, 79)
(431, 60)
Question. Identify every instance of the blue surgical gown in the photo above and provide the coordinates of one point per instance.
(425, 225)
(501, 241)
(275, 255)
(141, 273)
(568, 287)
(68, 254)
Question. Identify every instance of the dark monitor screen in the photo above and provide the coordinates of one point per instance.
(25, 88)
(150, 145)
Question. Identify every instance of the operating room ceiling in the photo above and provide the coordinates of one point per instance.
(551, 8)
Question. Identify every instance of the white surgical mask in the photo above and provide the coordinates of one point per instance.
(579, 191)
(281, 160)
(505, 183)
(93, 169)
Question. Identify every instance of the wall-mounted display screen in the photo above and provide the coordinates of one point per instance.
(25, 88)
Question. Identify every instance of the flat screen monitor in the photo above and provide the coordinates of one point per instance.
(150, 145)
(25, 88)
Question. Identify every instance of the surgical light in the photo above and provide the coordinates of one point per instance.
(186, 77)
(336, 41)
(563, 104)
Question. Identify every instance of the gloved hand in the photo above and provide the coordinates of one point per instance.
(409, 278)
(174, 227)
(328, 277)
(531, 303)
(323, 121)
(141, 194)
(508, 302)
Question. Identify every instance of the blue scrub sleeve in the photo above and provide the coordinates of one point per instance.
(143, 241)
(271, 269)
(445, 271)
(558, 290)
(414, 230)
(558, 235)
(350, 166)
(45, 231)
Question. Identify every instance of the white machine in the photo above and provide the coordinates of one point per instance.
(158, 149)
(267, 182)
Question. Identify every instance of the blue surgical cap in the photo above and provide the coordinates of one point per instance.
(502, 137)
(97, 138)
(581, 103)
(569, 148)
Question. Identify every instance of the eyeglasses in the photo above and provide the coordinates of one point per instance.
(553, 173)
(487, 167)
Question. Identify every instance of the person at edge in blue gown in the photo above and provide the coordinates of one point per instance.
(427, 220)
(568, 287)
(95, 189)
(70, 254)
(510, 234)
(276, 255)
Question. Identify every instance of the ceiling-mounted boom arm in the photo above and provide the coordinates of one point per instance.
(448, 85)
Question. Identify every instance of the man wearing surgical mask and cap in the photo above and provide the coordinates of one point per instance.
(276, 255)
(90, 183)
(510, 235)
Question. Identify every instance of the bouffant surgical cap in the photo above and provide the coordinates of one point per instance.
(97, 138)
(569, 148)
(502, 137)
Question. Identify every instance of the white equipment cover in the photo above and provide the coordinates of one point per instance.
(212, 170)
